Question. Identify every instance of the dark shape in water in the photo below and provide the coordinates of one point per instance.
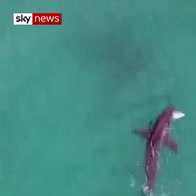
(157, 136)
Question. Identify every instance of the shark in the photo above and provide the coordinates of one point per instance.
(157, 137)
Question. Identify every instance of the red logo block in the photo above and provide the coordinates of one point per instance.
(46, 18)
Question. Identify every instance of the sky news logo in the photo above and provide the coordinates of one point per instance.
(37, 18)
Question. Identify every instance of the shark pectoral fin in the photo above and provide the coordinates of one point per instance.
(171, 144)
(144, 133)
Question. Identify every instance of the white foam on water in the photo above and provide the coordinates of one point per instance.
(132, 182)
(178, 115)
(164, 194)
(146, 191)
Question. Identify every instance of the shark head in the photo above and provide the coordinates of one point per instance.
(168, 113)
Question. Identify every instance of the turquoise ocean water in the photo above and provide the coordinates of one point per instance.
(71, 95)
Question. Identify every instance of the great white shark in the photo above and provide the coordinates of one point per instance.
(157, 137)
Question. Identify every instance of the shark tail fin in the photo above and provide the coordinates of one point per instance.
(143, 133)
(171, 144)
